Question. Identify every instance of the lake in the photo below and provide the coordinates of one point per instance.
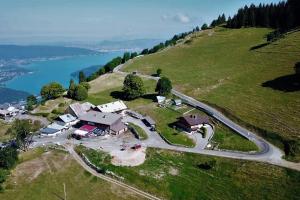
(60, 70)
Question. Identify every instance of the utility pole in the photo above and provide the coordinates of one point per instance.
(65, 192)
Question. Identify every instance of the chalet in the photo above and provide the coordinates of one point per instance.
(192, 122)
(108, 122)
(113, 107)
(77, 109)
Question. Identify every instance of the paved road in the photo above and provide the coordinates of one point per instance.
(268, 152)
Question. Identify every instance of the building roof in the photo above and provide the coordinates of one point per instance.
(88, 128)
(112, 107)
(67, 118)
(81, 109)
(160, 99)
(118, 127)
(149, 120)
(49, 131)
(100, 118)
(56, 126)
(4, 112)
(177, 101)
(80, 132)
(193, 120)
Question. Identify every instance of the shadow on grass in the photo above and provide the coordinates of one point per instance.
(288, 83)
(120, 95)
(259, 46)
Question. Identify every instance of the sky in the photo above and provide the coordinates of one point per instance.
(38, 21)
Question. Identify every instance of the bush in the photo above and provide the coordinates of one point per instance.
(52, 91)
(81, 93)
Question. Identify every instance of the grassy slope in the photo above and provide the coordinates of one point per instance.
(49, 184)
(222, 70)
(3, 129)
(164, 116)
(174, 175)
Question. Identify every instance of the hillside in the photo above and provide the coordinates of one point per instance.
(228, 69)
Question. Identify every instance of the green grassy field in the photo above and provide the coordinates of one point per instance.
(3, 129)
(227, 139)
(174, 175)
(142, 134)
(41, 175)
(220, 68)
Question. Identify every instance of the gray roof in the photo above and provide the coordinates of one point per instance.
(193, 120)
(49, 131)
(118, 127)
(100, 118)
(67, 118)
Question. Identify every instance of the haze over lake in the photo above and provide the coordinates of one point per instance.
(59, 70)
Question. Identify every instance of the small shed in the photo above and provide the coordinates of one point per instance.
(49, 131)
(177, 102)
(160, 99)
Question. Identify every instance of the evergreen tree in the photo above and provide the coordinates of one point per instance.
(71, 90)
(82, 77)
(80, 93)
(164, 86)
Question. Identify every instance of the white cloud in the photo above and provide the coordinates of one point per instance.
(179, 17)
(182, 18)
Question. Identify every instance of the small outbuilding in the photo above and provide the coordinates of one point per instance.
(49, 131)
(66, 120)
(177, 102)
(161, 99)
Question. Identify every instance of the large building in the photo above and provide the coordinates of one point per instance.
(108, 122)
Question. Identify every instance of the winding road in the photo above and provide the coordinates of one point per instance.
(268, 153)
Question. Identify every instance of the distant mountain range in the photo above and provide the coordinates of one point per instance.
(30, 52)
(115, 45)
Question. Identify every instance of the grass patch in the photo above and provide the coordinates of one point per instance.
(56, 169)
(223, 70)
(142, 134)
(3, 131)
(228, 139)
(174, 175)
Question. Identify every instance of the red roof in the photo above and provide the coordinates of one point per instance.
(88, 128)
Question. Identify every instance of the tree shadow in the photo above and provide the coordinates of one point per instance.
(150, 97)
(118, 95)
(259, 46)
(288, 83)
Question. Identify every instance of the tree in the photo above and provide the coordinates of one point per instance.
(145, 51)
(71, 90)
(31, 101)
(86, 85)
(164, 86)
(297, 68)
(133, 55)
(82, 77)
(81, 93)
(8, 157)
(133, 87)
(51, 91)
(126, 57)
(204, 26)
(22, 130)
(158, 72)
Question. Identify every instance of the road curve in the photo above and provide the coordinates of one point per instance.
(268, 152)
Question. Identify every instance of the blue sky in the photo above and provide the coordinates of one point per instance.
(31, 21)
